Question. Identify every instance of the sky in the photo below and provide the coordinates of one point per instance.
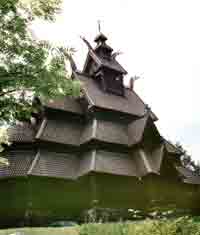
(160, 42)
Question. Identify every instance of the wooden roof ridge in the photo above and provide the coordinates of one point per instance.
(41, 128)
(171, 148)
(153, 162)
(85, 64)
(34, 162)
(153, 115)
(148, 162)
(91, 54)
(157, 159)
(137, 128)
(150, 120)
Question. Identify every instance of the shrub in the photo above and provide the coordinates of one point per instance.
(180, 226)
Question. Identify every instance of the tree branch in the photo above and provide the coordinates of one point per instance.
(7, 92)
(14, 75)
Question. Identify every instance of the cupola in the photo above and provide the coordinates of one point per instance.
(102, 65)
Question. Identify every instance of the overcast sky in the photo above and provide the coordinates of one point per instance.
(160, 41)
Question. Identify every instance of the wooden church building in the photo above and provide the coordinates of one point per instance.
(103, 146)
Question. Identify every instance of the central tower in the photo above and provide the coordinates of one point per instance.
(102, 65)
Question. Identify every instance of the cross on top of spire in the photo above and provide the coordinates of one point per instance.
(99, 26)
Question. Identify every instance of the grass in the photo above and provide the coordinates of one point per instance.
(41, 231)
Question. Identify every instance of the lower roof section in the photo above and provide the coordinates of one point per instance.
(51, 164)
(105, 131)
(73, 165)
(60, 131)
(19, 163)
(77, 133)
(107, 162)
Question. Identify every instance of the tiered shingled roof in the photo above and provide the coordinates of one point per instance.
(102, 132)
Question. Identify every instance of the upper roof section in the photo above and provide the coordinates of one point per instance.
(101, 56)
(66, 104)
(129, 104)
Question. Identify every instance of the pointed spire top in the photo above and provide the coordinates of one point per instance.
(99, 26)
(100, 38)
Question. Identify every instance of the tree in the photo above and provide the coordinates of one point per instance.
(3, 141)
(187, 161)
(29, 67)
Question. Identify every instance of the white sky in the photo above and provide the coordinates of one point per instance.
(160, 41)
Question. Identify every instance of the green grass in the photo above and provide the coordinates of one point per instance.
(41, 231)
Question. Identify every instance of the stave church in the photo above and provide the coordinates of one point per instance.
(103, 146)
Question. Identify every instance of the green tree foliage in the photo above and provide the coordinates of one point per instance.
(187, 160)
(3, 141)
(29, 67)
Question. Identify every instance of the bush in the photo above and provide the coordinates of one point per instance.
(180, 226)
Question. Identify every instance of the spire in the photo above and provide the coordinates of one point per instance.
(102, 65)
(99, 26)
(100, 38)
(102, 49)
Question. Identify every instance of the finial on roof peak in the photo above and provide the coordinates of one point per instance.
(99, 26)
(100, 38)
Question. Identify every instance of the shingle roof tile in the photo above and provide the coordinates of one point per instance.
(19, 163)
(60, 131)
(22, 132)
(58, 165)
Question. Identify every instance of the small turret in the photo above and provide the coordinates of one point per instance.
(100, 38)
(102, 65)
(102, 49)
